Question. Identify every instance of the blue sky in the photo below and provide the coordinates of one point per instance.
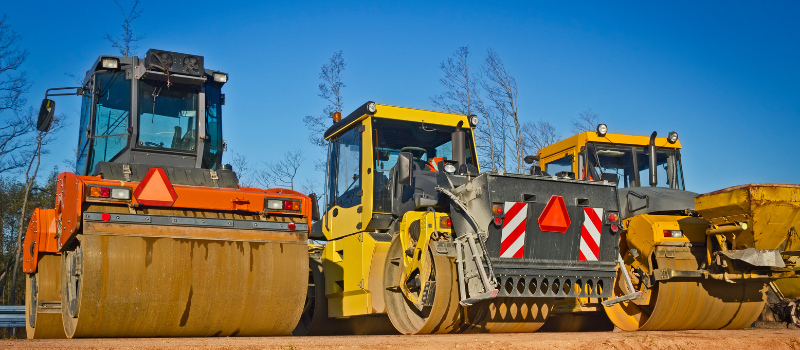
(724, 75)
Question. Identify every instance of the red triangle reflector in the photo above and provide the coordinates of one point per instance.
(554, 217)
(155, 189)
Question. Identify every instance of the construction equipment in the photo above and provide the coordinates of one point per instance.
(152, 235)
(698, 261)
(417, 237)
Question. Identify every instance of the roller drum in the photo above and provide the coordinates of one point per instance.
(690, 304)
(446, 315)
(129, 286)
(43, 301)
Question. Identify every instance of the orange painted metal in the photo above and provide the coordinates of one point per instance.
(71, 200)
(40, 238)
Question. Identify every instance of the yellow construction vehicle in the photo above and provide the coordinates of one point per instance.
(697, 261)
(419, 241)
(152, 235)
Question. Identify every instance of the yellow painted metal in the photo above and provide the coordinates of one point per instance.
(159, 286)
(446, 315)
(350, 282)
(315, 323)
(572, 146)
(47, 308)
(772, 216)
(428, 225)
(409, 114)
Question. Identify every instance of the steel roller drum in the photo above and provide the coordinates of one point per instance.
(446, 315)
(690, 304)
(129, 286)
(43, 301)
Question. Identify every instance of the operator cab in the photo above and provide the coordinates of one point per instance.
(162, 110)
(367, 149)
(623, 159)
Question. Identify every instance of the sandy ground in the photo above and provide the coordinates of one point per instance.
(772, 339)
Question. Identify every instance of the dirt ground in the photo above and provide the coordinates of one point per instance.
(772, 339)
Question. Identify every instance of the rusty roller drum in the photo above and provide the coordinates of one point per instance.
(117, 285)
(43, 301)
(689, 304)
(446, 315)
(315, 321)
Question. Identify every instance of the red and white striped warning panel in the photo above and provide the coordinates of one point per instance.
(512, 242)
(590, 234)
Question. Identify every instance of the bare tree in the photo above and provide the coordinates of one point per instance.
(457, 95)
(586, 121)
(13, 82)
(501, 90)
(125, 41)
(35, 159)
(243, 169)
(537, 135)
(331, 90)
(282, 173)
(461, 96)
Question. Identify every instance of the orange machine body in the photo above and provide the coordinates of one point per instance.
(51, 229)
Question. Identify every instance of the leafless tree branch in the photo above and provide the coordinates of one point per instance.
(13, 82)
(125, 41)
(586, 121)
(281, 173)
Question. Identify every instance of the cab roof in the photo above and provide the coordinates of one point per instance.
(396, 113)
(607, 139)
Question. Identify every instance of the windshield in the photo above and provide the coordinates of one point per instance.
(167, 115)
(424, 141)
(618, 164)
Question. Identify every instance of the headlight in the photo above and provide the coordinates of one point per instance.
(473, 120)
(221, 77)
(372, 108)
(109, 63)
(450, 168)
(602, 129)
(672, 137)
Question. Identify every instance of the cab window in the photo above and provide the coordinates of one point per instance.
(559, 165)
(112, 110)
(345, 166)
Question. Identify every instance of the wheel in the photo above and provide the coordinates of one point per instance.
(43, 300)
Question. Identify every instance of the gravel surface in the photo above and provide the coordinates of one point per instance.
(771, 339)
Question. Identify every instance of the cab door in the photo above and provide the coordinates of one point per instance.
(348, 199)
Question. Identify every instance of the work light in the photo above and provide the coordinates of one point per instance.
(602, 129)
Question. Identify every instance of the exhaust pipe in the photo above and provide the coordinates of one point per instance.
(652, 149)
(459, 145)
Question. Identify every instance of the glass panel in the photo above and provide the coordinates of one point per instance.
(424, 141)
(212, 152)
(348, 179)
(665, 167)
(679, 170)
(333, 155)
(612, 163)
(83, 140)
(113, 103)
(167, 115)
(559, 165)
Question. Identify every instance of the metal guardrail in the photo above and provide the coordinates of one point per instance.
(12, 315)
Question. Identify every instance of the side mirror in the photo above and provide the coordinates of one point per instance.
(404, 164)
(531, 159)
(46, 113)
(314, 207)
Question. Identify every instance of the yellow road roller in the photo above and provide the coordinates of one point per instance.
(419, 241)
(695, 261)
(152, 235)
